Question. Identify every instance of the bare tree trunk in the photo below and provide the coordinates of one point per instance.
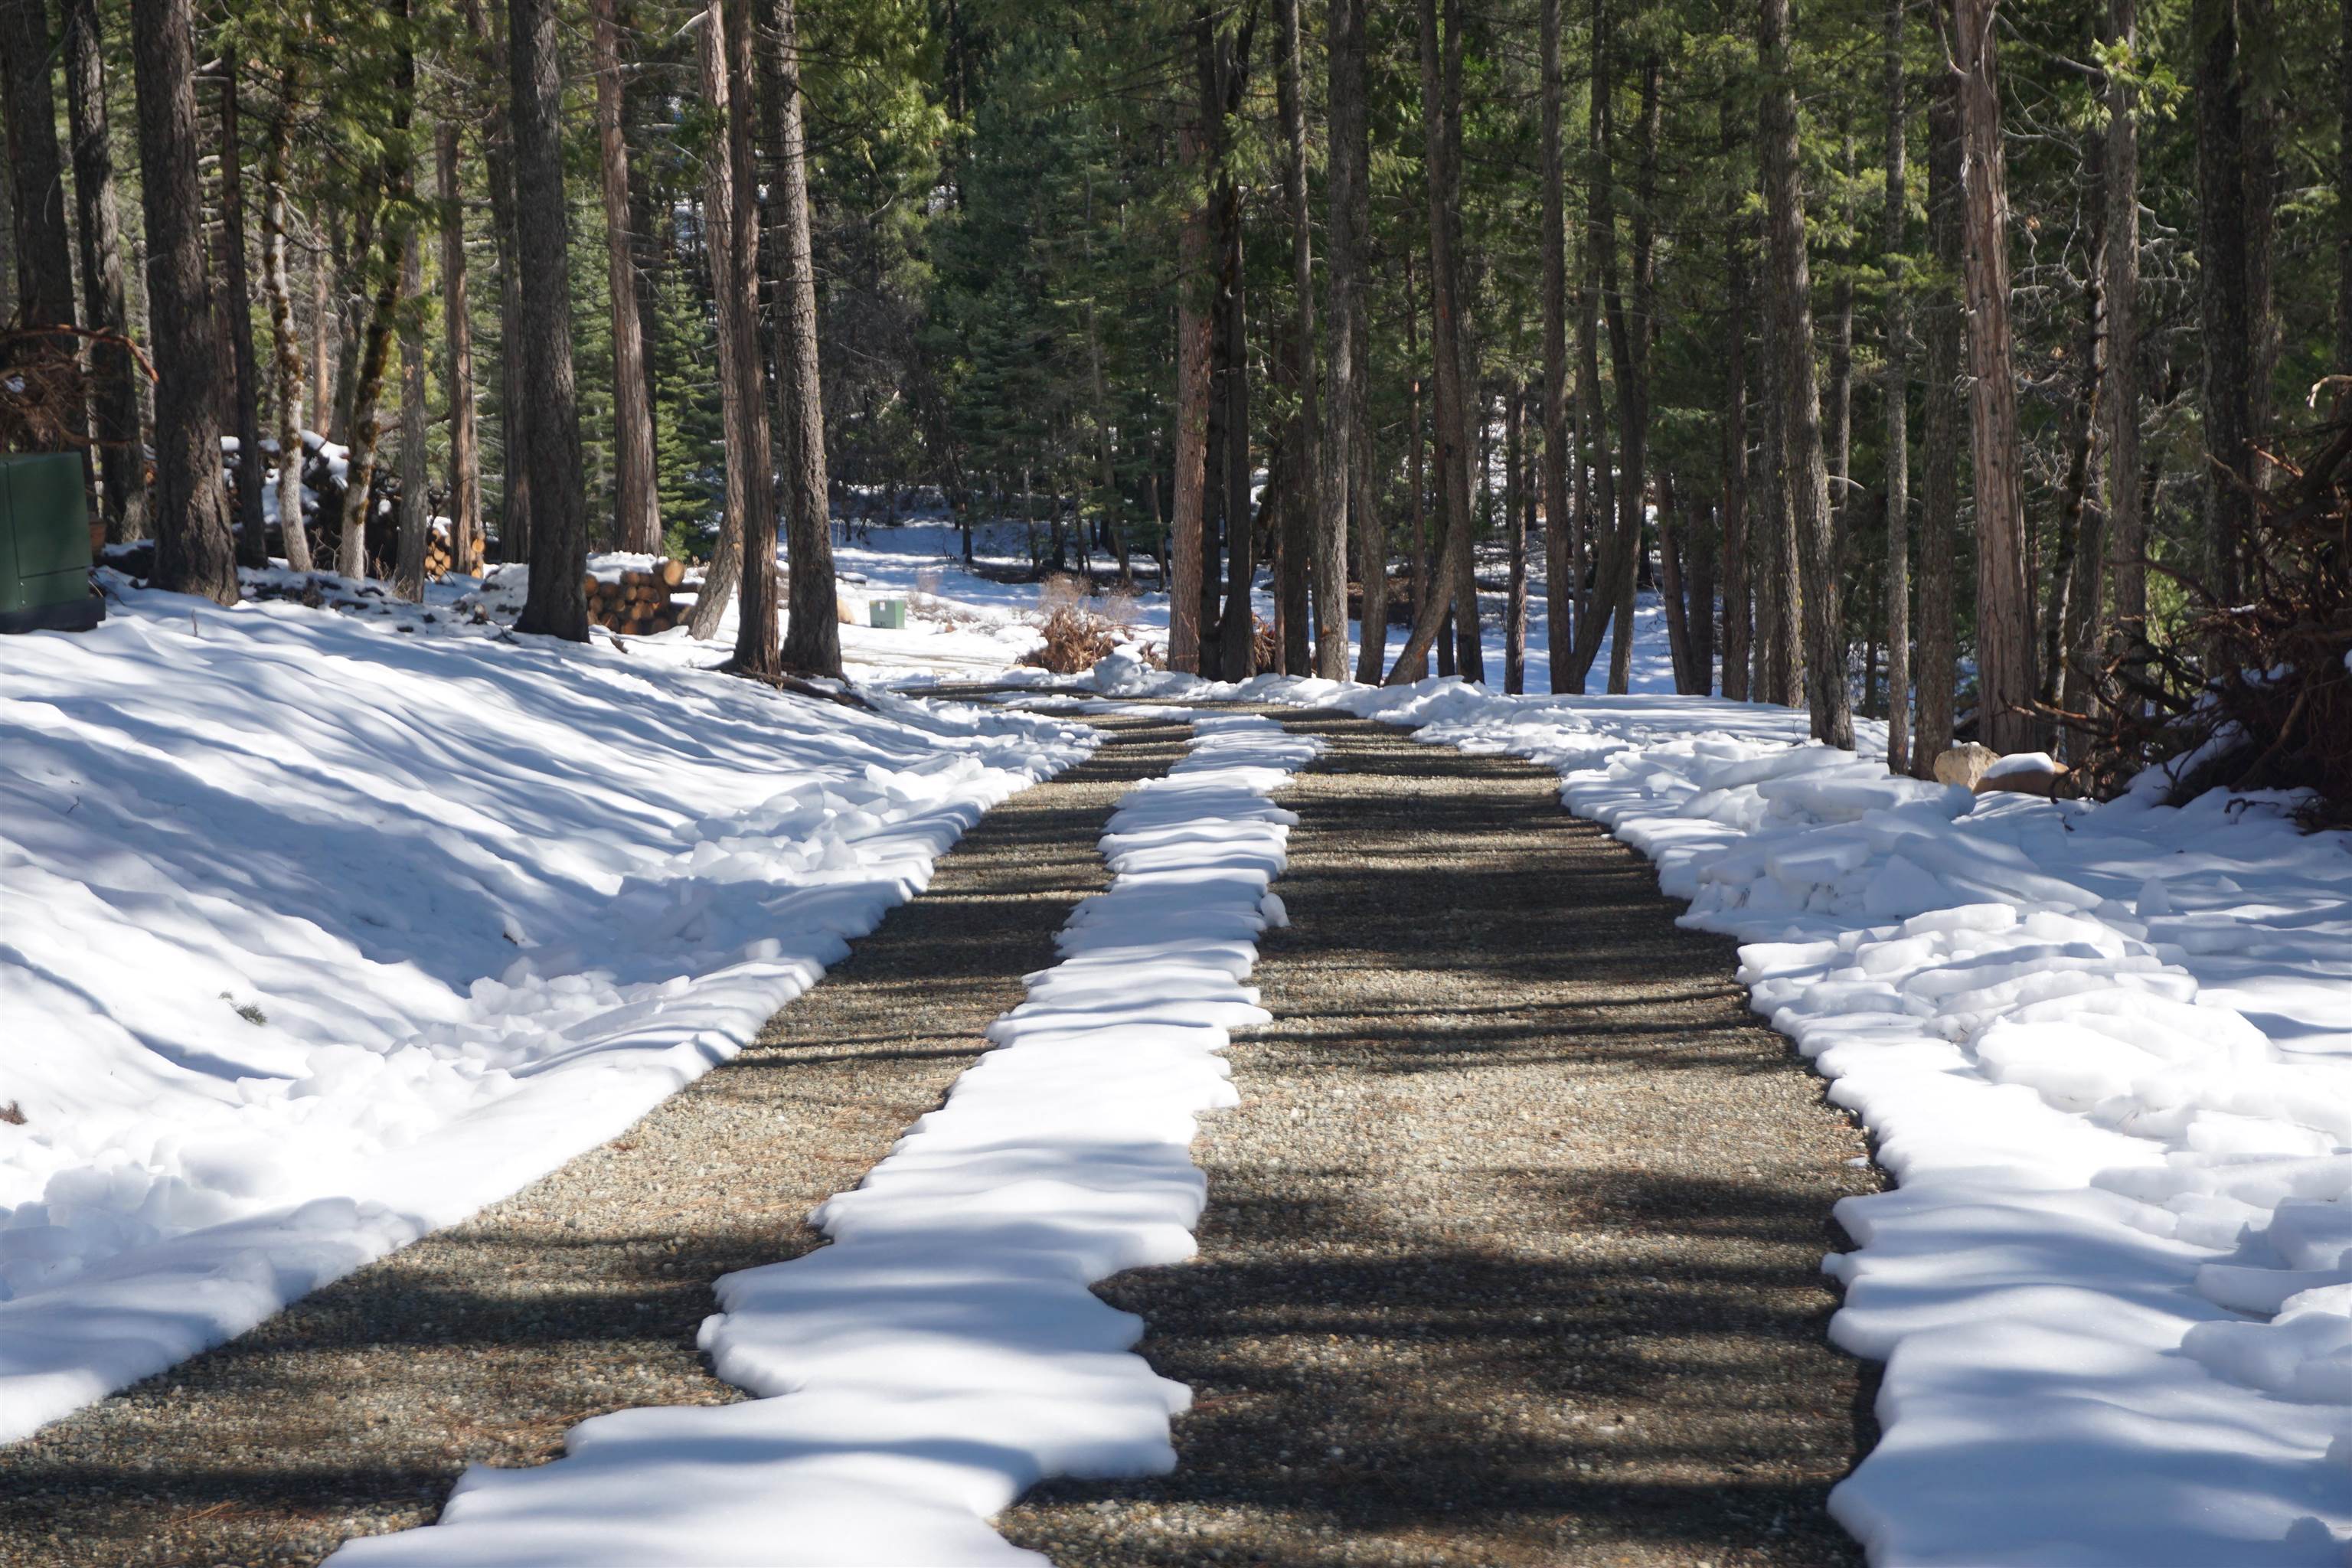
(639, 520)
(2257, 20)
(1939, 511)
(1418, 474)
(558, 605)
(813, 630)
(236, 314)
(1348, 452)
(1515, 605)
(285, 350)
(2075, 581)
(2127, 524)
(1314, 548)
(43, 251)
(1892, 225)
(2226, 334)
(114, 374)
(366, 427)
(1558, 589)
(1779, 595)
(1837, 439)
(746, 425)
(1237, 648)
(1596, 604)
(1470, 407)
(514, 407)
(465, 454)
(193, 551)
(1445, 300)
(1195, 329)
(1670, 586)
(1736, 607)
(323, 325)
(415, 507)
(2004, 635)
(1629, 353)
(1826, 698)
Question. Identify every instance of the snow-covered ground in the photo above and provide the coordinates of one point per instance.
(323, 929)
(944, 1353)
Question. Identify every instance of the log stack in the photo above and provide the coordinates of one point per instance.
(637, 604)
(438, 561)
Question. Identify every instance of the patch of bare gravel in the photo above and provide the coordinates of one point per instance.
(353, 1412)
(1512, 1248)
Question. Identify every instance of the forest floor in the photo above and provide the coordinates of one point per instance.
(1478, 1282)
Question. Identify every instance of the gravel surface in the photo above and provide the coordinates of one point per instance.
(354, 1411)
(1511, 1253)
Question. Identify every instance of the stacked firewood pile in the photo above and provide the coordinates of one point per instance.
(638, 603)
(438, 561)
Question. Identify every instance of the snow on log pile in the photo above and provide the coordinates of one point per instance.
(944, 1352)
(2106, 1052)
(323, 931)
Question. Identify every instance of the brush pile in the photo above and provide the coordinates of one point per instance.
(1077, 637)
(2254, 694)
(638, 604)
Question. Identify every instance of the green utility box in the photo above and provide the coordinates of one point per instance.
(45, 546)
(888, 614)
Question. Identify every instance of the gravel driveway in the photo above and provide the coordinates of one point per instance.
(1512, 1248)
(1511, 1254)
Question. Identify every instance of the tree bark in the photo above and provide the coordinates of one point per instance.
(1515, 605)
(743, 396)
(1559, 630)
(114, 372)
(1418, 466)
(44, 252)
(237, 319)
(514, 401)
(1736, 606)
(2005, 719)
(1671, 586)
(639, 519)
(2226, 329)
(1614, 553)
(465, 452)
(1837, 436)
(397, 180)
(1314, 547)
(194, 550)
(1349, 193)
(2127, 524)
(1826, 698)
(1446, 334)
(2343, 188)
(415, 508)
(1939, 511)
(1236, 650)
(1629, 353)
(557, 605)
(1892, 223)
(2076, 584)
(285, 349)
(813, 630)
(1195, 329)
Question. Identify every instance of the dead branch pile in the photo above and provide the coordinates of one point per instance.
(2258, 692)
(1077, 638)
(638, 604)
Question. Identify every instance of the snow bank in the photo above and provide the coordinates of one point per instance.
(2106, 1052)
(323, 931)
(944, 1352)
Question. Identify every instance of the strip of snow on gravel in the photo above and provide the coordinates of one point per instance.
(944, 1353)
(323, 931)
(2106, 1052)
